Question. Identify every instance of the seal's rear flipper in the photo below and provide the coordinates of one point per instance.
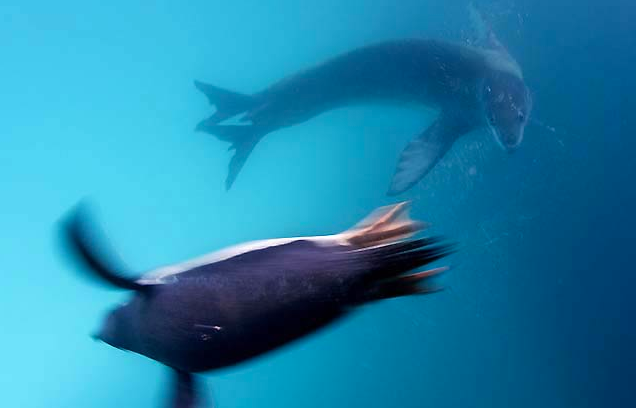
(484, 36)
(186, 392)
(227, 103)
(423, 153)
(80, 241)
(482, 30)
(243, 139)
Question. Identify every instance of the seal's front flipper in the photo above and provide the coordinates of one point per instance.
(81, 241)
(186, 392)
(227, 103)
(423, 153)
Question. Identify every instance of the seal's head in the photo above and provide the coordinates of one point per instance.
(507, 104)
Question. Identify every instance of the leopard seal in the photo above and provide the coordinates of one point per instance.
(477, 86)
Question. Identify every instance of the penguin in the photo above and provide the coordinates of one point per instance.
(232, 305)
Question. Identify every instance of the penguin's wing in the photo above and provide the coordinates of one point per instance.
(84, 244)
(186, 393)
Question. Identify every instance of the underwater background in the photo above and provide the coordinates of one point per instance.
(97, 101)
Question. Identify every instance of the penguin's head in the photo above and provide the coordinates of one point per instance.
(117, 329)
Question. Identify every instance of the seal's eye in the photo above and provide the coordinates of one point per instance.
(522, 117)
(492, 119)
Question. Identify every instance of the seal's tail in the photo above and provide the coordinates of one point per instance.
(243, 140)
(227, 103)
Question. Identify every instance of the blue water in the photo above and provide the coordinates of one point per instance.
(97, 101)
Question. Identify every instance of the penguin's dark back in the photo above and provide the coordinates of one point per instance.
(220, 314)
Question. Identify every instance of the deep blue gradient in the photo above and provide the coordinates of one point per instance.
(97, 100)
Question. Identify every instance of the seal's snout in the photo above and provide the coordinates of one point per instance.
(512, 147)
(509, 140)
